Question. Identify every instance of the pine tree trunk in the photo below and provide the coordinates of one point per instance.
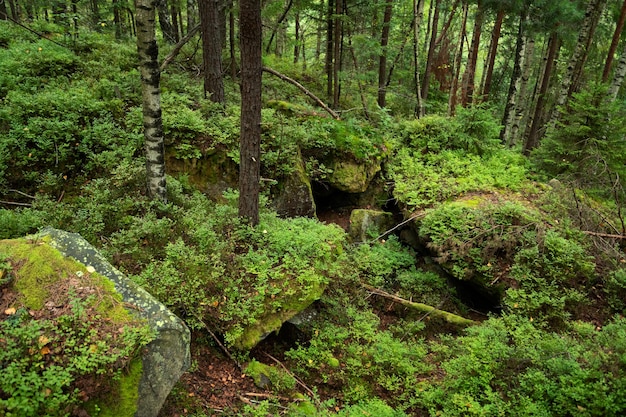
(618, 77)
(614, 42)
(296, 46)
(231, 43)
(211, 50)
(534, 135)
(452, 98)
(593, 12)
(148, 52)
(431, 50)
(472, 59)
(250, 35)
(418, 13)
(175, 25)
(522, 104)
(493, 50)
(337, 41)
(382, 59)
(330, 30)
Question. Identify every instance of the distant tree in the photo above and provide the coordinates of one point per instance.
(250, 35)
(212, 49)
(165, 21)
(382, 61)
(148, 52)
(619, 27)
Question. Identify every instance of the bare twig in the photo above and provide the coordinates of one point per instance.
(23, 193)
(220, 344)
(13, 203)
(419, 214)
(607, 235)
(302, 384)
(179, 46)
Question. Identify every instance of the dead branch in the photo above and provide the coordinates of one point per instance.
(220, 344)
(607, 235)
(23, 193)
(419, 214)
(449, 317)
(291, 81)
(13, 203)
(302, 384)
(179, 46)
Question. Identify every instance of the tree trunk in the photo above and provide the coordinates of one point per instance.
(534, 135)
(148, 52)
(164, 21)
(296, 46)
(358, 79)
(211, 50)
(472, 58)
(4, 14)
(522, 103)
(618, 77)
(231, 43)
(250, 38)
(493, 50)
(330, 29)
(592, 14)
(452, 99)
(382, 59)
(175, 26)
(337, 41)
(431, 50)
(513, 95)
(117, 18)
(192, 12)
(418, 12)
(614, 42)
(281, 19)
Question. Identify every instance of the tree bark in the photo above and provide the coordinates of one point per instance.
(452, 98)
(148, 52)
(231, 43)
(592, 14)
(164, 21)
(211, 50)
(513, 95)
(250, 35)
(431, 50)
(418, 12)
(534, 135)
(192, 32)
(618, 77)
(278, 23)
(330, 29)
(493, 50)
(467, 95)
(4, 15)
(296, 45)
(337, 41)
(382, 59)
(614, 42)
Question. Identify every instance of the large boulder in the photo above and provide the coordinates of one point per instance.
(53, 256)
(293, 196)
(350, 176)
(363, 222)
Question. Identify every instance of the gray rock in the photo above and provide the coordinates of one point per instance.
(364, 221)
(165, 358)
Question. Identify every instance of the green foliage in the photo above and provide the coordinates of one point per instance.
(17, 223)
(509, 366)
(43, 360)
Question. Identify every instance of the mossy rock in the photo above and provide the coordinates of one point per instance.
(293, 196)
(364, 223)
(351, 176)
(49, 266)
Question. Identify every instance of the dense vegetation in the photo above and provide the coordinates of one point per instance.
(529, 247)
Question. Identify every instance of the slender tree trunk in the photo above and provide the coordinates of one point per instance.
(211, 50)
(382, 59)
(175, 26)
(4, 14)
(131, 17)
(192, 12)
(534, 135)
(281, 19)
(472, 58)
(513, 95)
(231, 42)
(148, 52)
(250, 38)
(594, 9)
(418, 13)
(296, 46)
(493, 50)
(117, 18)
(358, 80)
(338, 38)
(452, 99)
(618, 77)
(431, 50)
(614, 42)
(330, 29)
(522, 104)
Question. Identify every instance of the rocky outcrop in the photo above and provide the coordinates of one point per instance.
(293, 196)
(166, 358)
(352, 177)
(364, 221)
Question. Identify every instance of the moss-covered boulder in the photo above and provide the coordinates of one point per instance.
(293, 196)
(351, 176)
(89, 320)
(364, 223)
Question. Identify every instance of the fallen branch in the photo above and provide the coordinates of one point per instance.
(608, 235)
(23, 193)
(419, 214)
(302, 88)
(449, 317)
(13, 203)
(220, 344)
(179, 46)
(302, 384)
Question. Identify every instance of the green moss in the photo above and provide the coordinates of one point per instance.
(122, 402)
(352, 177)
(263, 375)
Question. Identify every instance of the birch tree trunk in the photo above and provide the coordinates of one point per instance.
(592, 14)
(250, 35)
(148, 52)
(418, 13)
(618, 77)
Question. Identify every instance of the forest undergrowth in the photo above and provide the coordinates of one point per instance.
(540, 238)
